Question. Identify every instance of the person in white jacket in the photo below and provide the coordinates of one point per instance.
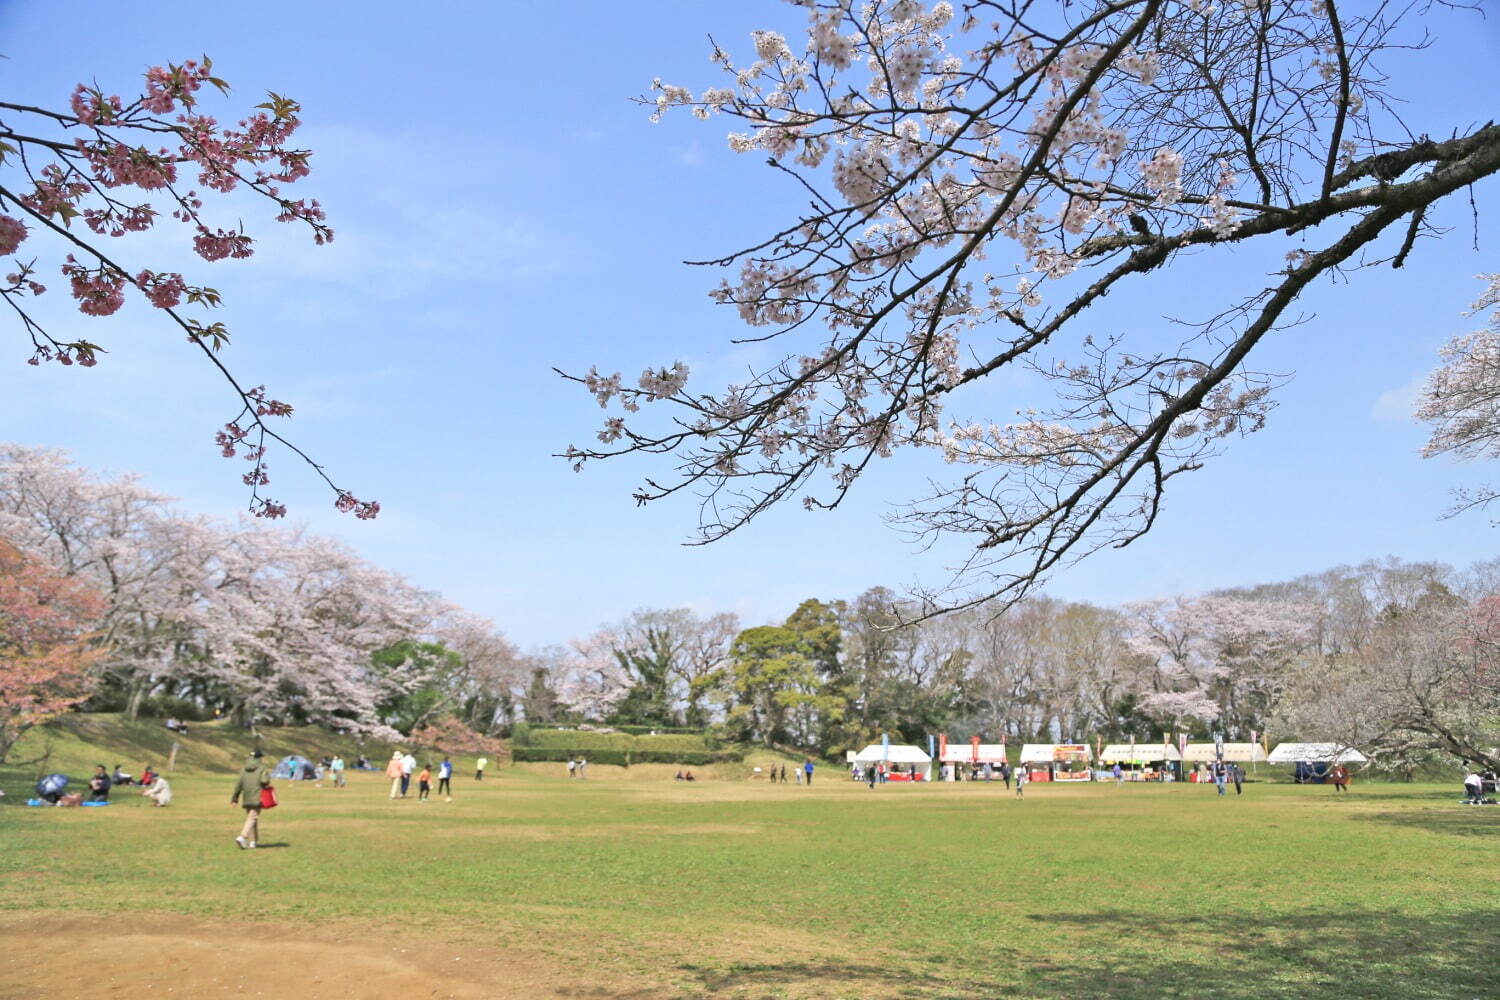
(159, 792)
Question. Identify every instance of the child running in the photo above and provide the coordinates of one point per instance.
(424, 783)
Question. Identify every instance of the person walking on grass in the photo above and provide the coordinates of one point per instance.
(479, 767)
(1238, 774)
(1219, 775)
(1340, 775)
(393, 771)
(408, 765)
(254, 776)
(424, 783)
(337, 767)
(445, 778)
(1020, 782)
(807, 770)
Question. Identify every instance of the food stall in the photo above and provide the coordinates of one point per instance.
(902, 762)
(971, 756)
(1141, 761)
(1195, 754)
(1056, 761)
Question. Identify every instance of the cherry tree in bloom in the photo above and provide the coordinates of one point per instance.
(1219, 659)
(77, 184)
(1462, 397)
(448, 735)
(593, 680)
(979, 178)
(1425, 689)
(45, 653)
(266, 622)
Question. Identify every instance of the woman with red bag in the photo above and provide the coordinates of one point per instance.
(251, 792)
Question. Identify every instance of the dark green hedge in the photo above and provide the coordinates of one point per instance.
(632, 730)
(624, 758)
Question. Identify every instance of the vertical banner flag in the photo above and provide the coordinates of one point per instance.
(885, 743)
(931, 746)
(1219, 746)
(1098, 746)
(974, 749)
(1132, 747)
(942, 745)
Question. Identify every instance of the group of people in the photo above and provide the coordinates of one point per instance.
(332, 768)
(801, 775)
(985, 771)
(52, 788)
(685, 776)
(402, 766)
(578, 768)
(1222, 773)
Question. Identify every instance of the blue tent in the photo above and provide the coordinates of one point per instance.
(292, 768)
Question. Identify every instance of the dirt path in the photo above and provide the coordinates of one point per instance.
(62, 956)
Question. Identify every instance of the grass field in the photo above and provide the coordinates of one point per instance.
(646, 888)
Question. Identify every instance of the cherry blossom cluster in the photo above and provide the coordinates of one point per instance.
(981, 176)
(118, 163)
(279, 623)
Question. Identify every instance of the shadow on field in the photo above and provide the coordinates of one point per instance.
(1368, 953)
(850, 978)
(1461, 821)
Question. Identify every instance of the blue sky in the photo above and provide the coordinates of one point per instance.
(503, 208)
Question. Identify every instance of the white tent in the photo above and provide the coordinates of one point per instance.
(896, 753)
(1237, 753)
(1141, 753)
(1316, 753)
(963, 753)
(1039, 753)
(1046, 758)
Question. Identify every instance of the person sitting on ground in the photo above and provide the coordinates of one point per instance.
(120, 777)
(99, 784)
(678, 776)
(147, 776)
(689, 777)
(159, 792)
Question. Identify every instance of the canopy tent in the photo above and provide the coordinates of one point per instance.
(1237, 753)
(1141, 753)
(1036, 753)
(1316, 753)
(1056, 761)
(896, 753)
(970, 753)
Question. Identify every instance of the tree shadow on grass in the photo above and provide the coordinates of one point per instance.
(822, 977)
(1460, 820)
(1325, 954)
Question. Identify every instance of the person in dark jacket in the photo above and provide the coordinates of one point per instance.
(99, 784)
(253, 777)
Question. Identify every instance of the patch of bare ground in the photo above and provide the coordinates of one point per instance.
(163, 955)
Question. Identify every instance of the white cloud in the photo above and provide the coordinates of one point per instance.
(1396, 406)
